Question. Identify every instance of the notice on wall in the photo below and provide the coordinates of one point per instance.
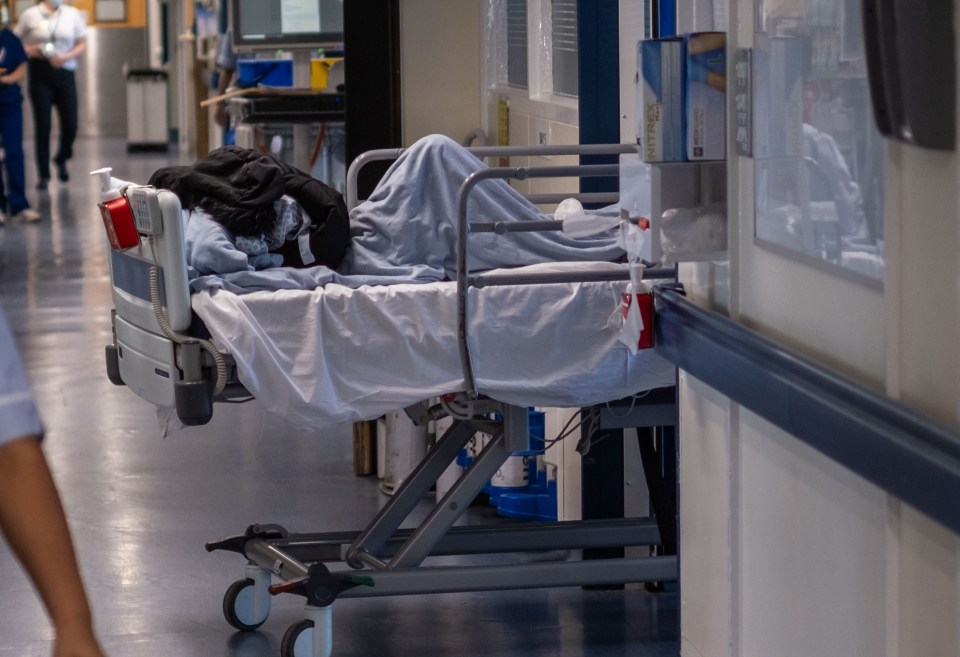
(743, 101)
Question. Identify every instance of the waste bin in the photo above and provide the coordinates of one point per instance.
(147, 119)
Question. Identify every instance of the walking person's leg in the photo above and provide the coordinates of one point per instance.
(65, 99)
(41, 100)
(13, 161)
(3, 142)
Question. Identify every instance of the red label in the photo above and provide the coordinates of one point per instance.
(645, 301)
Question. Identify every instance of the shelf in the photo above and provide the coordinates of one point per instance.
(685, 185)
(290, 106)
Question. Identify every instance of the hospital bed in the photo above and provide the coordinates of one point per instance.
(481, 348)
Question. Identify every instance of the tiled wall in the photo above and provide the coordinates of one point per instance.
(527, 126)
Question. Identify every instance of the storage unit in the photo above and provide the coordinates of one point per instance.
(147, 116)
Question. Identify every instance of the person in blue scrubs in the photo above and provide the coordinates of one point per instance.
(13, 68)
(31, 514)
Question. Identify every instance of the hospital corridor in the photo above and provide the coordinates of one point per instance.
(483, 328)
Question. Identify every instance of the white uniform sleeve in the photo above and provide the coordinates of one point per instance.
(18, 412)
(80, 29)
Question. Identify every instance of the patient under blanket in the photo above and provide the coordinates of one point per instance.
(404, 233)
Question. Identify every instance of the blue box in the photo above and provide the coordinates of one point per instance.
(706, 95)
(660, 100)
(266, 72)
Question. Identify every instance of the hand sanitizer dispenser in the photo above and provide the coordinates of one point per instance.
(116, 213)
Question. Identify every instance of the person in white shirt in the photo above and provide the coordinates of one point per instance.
(53, 35)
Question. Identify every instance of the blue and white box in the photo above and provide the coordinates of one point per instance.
(660, 98)
(706, 97)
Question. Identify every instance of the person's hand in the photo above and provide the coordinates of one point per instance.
(56, 61)
(76, 642)
(220, 115)
(33, 50)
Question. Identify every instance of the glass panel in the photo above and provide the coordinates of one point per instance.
(564, 32)
(820, 161)
(517, 75)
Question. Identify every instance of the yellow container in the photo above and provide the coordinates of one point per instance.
(320, 71)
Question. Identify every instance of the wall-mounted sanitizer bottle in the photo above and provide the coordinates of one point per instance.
(116, 213)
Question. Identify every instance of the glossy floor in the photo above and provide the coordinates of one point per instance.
(142, 505)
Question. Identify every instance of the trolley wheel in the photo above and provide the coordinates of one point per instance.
(298, 640)
(239, 606)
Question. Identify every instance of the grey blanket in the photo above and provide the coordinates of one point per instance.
(406, 232)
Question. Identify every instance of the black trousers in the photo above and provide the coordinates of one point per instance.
(51, 87)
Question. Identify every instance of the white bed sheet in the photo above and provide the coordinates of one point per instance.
(336, 354)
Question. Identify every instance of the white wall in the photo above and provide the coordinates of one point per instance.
(535, 116)
(440, 63)
(783, 552)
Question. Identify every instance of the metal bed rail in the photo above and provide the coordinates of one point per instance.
(481, 152)
(464, 228)
(490, 279)
(878, 438)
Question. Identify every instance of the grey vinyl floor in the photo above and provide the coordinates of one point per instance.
(141, 505)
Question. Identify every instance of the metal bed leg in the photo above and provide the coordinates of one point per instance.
(411, 491)
(458, 498)
(461, 579)
(511, 434)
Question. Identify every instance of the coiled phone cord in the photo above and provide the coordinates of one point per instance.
(180, 338)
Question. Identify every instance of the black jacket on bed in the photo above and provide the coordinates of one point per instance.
(238, 187)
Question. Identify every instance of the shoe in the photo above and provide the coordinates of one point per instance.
(3, 218)
(27, 214)
(42, 184)
(62, 174)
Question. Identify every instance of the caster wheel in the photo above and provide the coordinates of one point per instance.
(240, 606)
(298, 640)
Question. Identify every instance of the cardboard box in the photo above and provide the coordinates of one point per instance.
(705, 95)
(660, 111)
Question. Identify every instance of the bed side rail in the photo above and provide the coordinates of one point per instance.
(386, 154)
(464, 228)
(130, 269)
